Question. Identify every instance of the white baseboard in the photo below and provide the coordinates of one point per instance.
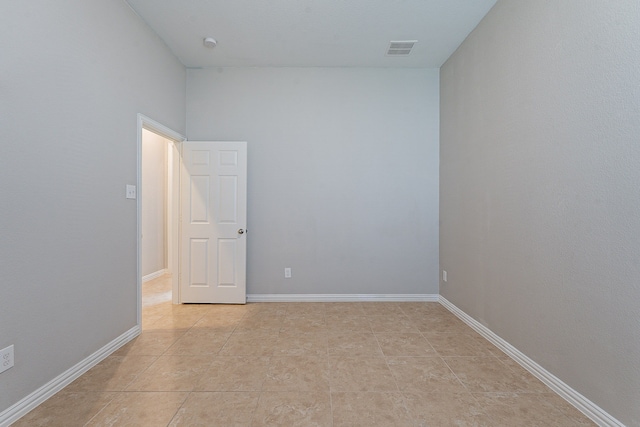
(341, 297)
(154, 275)
(22, 407)
(584, 405)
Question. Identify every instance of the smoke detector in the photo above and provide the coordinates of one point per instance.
(209, 42)
(400, 47)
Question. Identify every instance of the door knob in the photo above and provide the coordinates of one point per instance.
(241, 231)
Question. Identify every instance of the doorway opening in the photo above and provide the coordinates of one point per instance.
(154, 262)
(158, 213)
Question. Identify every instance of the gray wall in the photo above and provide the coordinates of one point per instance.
(540, 189)
(73, 76)
(343, 173)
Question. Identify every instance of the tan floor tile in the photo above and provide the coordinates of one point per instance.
(139, 409)
(262, 343)
(381, 309)
(198, 342)
(450, 344)
(260, 323)
(215, 322)
(526, 409)
(283, 358)
(114, 373)
(369, 409)
(348, 323)
(392, 324)
(576, 417)
(404, 344)
(217, 409)
(301, 344)
(343, 308)
(171, 373)
(150, 289)
(441, 323)
(175, 322)
(486, 374)
(155, 297)
(534, 385)
(161, 309)
(190, 309)
(297, 374)
(303, 324)
(148, 320)
(446, 409)
(306, 308)
(66, 409)
(360, 374)
(353, 345)
(422, 309)
(424, 375)
(239, 373)
(227, 310)
(149, 344)
(268, 307)
(293, 409)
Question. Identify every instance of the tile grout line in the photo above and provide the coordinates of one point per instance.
(395, 380)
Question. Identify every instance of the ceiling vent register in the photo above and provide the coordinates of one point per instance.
(400, 47)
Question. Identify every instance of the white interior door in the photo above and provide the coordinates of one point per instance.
(213, 188)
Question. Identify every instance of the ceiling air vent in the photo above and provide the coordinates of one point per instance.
(400, 47)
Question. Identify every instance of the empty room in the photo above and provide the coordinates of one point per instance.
(401, 213)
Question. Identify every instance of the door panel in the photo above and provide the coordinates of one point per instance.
(214, 211)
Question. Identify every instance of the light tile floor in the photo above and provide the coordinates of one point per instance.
(304, 364)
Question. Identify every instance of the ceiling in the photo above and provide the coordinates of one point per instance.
(311, 33)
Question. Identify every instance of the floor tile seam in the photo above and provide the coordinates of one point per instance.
(170, 345)
(142, 391)
(455, 375)
(178, 408)
(474, 395)
(255, 407)
(122, 392)
(206, 369)
(100, 411)
(141, 373)
(435, 353)
(443, 354)
(223, 345)
(386, 362)
(487, 357)
(428, 342)
(331, 405)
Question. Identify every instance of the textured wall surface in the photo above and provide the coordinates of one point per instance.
(73, 76)
(540, 189)
(343, 173)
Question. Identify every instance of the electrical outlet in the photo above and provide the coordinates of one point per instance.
(444, 275)
(6, 358)
(287, 273)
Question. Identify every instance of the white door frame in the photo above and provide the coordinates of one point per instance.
(173, 205)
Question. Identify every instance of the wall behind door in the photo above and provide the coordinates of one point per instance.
(342, 173)
(154, 203)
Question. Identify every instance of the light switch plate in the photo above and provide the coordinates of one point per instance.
(131, 192)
